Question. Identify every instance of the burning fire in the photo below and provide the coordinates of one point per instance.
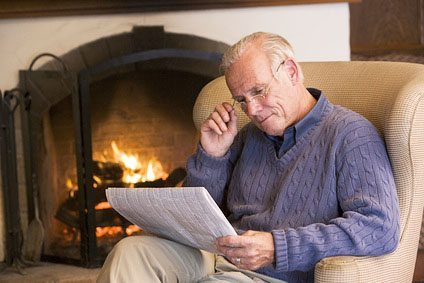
(111, 231)
(72, 188)
(102, 205)
(133, 168)
(135, 171)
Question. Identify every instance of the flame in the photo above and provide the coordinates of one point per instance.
(112, 231)
(134, 172)
(131, 178)
(150, 175)
(69, 184)
(108, 231)
(132, 229)
(72, 188)
(154, 171)
(103, 205)
(129, 161)
(97, 179)
(133, 167)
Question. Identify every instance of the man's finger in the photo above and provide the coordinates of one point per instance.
(232, 125)
(223, 112)
(212, 125)
(218, 121)
(228, 106)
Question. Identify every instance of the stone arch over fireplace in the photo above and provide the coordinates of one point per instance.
(141, 38)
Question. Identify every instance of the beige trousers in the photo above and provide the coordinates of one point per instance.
(151, 259)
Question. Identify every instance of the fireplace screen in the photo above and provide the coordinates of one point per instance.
(112, 126)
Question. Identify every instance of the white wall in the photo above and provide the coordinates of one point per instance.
(318, 32)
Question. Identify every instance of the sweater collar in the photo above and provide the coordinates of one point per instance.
(313, 116)
(297, 130)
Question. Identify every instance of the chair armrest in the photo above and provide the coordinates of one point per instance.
(344, 269)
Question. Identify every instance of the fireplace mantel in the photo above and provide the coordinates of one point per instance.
(29, 8)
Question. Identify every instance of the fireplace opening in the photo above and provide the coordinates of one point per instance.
(116, 112)
(141, 133)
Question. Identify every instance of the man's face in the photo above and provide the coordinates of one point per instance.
(252, 75)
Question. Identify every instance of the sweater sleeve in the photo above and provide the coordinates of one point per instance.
(210, 172)
(214, 173)
(369, 221)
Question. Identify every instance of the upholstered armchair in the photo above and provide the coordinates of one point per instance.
(391, 96)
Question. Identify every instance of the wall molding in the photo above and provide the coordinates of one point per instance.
(45, 8)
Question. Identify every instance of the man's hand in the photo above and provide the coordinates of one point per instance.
(251, 251)
(219, 130)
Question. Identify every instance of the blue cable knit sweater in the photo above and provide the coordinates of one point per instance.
(332, 193)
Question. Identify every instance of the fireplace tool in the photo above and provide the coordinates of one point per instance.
(35, 234)
(32, 247)
(14, 238)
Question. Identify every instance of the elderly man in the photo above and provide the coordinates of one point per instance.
(304, 180)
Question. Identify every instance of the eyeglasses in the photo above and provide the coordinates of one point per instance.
(257, 95)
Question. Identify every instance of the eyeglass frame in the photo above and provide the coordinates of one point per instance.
(252, 98)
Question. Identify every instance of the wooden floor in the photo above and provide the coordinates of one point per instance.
(50, 273)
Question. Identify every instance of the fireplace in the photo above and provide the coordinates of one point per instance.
(115, 112)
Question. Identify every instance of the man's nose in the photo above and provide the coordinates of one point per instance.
(253, 107)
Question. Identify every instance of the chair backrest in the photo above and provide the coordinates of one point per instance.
(391, 96)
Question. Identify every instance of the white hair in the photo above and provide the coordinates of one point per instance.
(276, 48)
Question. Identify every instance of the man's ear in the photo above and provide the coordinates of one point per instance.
(292, 70)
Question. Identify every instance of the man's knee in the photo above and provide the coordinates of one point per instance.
(129, 261)
(129, 242)
(134, 246)
(154, 259)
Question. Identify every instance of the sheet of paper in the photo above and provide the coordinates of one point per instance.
(186, 215)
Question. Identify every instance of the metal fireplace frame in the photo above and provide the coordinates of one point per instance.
(79, 88)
